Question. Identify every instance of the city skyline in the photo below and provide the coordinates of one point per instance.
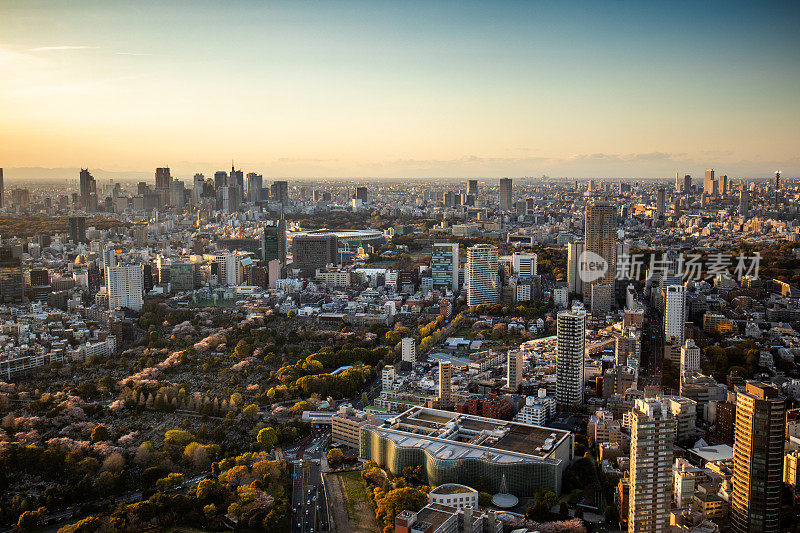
(410, 90)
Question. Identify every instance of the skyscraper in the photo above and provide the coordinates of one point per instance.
(255, 182)
(88, 188)
(12, 285)
(220, 179)
(744, 203)
(574, 281)
(361, 194)
(77, 229)
(2, 190)
(652, 435)
(570, 351)
(482, 275)
(275, 241)
(472, 187)
(279, 191)
(600, 234)
(690, 358)
(710, 185)
(163, 178)
(758, 459)
(505, 194)
(125, 286)
(445, 377)
(661, 196)
(444, 265)
(687, 183)
(514, 366)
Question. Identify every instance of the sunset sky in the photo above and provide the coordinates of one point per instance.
(402, 89)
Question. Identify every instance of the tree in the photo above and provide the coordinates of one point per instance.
(172, 481)
(563, 511)
(250, 411)
(267, 438)
(206, 489)
(389, 504)
(335, 458)
(484, 499)
(100, 434)
(30, 519)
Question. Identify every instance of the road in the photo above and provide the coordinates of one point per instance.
(309, 505)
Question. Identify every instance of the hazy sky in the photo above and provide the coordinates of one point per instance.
(402, 88)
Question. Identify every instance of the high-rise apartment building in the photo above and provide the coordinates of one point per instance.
(758, 449)
(444, 265)
(690, 357)
(445, 378)
(675, 316)
(524, 264)
(514, 366)
(408, 350)
(570, 352)
(652, 435)
(506, 187)
(600, 236)
(125, 285)
(482, 275)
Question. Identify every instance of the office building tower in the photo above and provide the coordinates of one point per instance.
(2, 190)
(472, 187)
(574, 281)
(652, 436)
(744, 203)
(675, 314)
(524, 264)
(758, 449)
(236, 179)
(570, 351)
(600, 236)
(177, 193)
(710, 184)
(125, 285)
(505, 195)
(279, 192)
(310, 252)
(687, 183)
(255, 182)
(661, 201)
(723, 185)
(220, 179)
(482, 275)
(77, 229)
(408, 350)
(445, 378)
(275, 241)
(88, 189)
(163, 178)
(361, 194)
(198, 186)
(690, 358)
(12, 283)
(444, 265)
(514, 366)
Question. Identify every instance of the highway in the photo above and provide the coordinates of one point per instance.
(309, 505)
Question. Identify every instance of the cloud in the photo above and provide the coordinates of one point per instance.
(133, 54)
(63, 47)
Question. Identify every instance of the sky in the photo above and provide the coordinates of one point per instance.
(402, 89)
